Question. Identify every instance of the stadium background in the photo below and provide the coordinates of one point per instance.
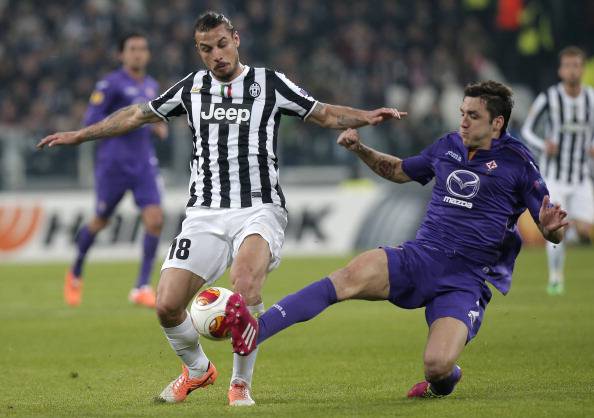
(533, 357)
(414, 55)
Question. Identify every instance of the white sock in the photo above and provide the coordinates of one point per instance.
(184, 341)
(243, 366)
(556, 261)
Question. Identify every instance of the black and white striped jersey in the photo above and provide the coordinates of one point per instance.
(569, 122)
(235, 131)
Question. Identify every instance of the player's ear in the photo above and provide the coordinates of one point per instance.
(236, 38)
(498, 122)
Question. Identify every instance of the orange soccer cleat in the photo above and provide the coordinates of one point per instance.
(239, 394)
(72, 289)
(144, 296)
(180, 388)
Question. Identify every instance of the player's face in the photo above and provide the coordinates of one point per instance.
(135, 55)
(476, 128)
(218, 50)
(571, 69)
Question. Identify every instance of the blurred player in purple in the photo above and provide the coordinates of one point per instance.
(484, 180)
(123, 163)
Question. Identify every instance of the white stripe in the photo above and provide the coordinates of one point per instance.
(250, 339)
(246, 331)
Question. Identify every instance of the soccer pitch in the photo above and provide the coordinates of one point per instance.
(534, 355)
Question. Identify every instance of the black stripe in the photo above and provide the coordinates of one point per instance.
(263, 138)
(223, 159)
(561, 136)
(161, 100)
(243, 140)
(274, 145)
(572, 147)
(206, 99)
(585, 138)
(187, 102)
(292, 96)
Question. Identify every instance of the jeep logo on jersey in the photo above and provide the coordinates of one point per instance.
(463, 183)
(227, 113)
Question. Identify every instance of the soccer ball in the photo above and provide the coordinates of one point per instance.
(208, 313)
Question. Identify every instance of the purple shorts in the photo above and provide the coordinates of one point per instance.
(111, 183)
(445, 283)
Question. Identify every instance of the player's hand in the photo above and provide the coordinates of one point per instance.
(385, 113)
(161, 130)
(592, 152)
(60, 138)
(551, 216)
(551, 148)
(349, 139)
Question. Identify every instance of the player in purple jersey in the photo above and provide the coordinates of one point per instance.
(484, 180)
(122, 163)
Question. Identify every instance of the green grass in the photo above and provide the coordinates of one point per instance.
(534, 355)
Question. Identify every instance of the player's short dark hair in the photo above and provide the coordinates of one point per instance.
(497, 98)
(572, 51)
(210, 20)
(129, 35)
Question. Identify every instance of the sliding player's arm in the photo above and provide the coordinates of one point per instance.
(343, 117)
(120, 122)
(386, 166)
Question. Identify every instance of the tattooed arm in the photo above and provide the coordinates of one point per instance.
(342, 117)
(120, 122)
(387, 166)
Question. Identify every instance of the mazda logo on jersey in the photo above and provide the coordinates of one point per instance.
(227, 113)
(463, 183)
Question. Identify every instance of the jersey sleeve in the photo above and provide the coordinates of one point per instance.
(420, 167)
(291, 99)
(100, 101)
(533, 189)
(170, 103)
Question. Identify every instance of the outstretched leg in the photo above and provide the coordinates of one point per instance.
(365, 277)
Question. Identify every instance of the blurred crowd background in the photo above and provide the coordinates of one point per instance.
(413, 54)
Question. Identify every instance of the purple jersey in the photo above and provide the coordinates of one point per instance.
(475, 204)
(134, 150)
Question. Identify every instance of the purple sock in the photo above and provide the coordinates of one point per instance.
(84, 240)
(298, 307)
(446, 386)
(148, 256)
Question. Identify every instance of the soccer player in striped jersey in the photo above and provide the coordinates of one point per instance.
(235, 214)
(122, 163)
(484, 180)
(565, 113)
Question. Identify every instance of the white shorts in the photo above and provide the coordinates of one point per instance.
(576, 199)
(210, 238)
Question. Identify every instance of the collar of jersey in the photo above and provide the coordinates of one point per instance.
(241, 75)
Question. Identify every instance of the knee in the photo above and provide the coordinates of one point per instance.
(153, 225)
(246, 283)
(346, 282)
(169, 314)
(97, 224)
(437, 367)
